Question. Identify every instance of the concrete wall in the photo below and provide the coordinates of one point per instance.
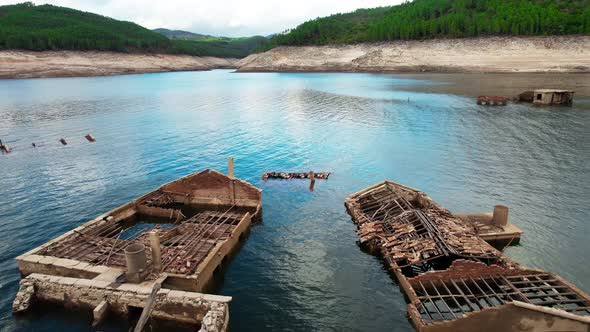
(214, 188)
(174, 305)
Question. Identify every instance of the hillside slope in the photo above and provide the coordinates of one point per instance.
(46, 27)
(180, 34)
(193, 43)
(429, 19)
(490, 54)
(51, 28)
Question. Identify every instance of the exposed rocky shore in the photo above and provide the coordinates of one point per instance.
(26, 64)
(562, 54)
(553, 54)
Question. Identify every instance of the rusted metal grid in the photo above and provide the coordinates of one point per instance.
(454, 297)
(183, 247)
(411, 230)
(97, 244)
(158, 199)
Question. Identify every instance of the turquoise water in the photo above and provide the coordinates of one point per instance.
(300, 269)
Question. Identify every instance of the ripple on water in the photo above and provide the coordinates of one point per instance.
(300, 269)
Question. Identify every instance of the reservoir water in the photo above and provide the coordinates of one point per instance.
(300, 269)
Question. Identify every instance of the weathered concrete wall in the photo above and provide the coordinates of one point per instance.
(206, 269)
(172, 214)
(214, 188)
(174, 305)
(28, 264)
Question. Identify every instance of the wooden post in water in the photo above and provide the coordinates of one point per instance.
(230, 167)
(312, 180)
(147, 310)
(232, 184)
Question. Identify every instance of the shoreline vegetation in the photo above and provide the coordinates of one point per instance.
(41, 28)
(443, 19)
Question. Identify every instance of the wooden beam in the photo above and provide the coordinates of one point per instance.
(147, 310)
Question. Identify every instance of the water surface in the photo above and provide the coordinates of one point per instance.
(300, 269)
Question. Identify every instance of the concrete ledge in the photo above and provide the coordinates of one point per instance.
(188, 307)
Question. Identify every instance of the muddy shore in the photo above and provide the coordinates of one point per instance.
(554, 54)
(26, 64)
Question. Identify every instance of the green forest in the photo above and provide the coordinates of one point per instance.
(427, 19)
(40, 28)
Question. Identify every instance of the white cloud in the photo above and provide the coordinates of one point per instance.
(218, 17)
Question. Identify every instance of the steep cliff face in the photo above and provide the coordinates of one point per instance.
(493, 54)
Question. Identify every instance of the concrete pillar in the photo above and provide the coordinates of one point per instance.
(156, 250)
(500, 215)
(136, 262)
(230, 167)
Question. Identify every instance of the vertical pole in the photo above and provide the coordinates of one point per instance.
(232, 184)
(230, 167)
(156, 250)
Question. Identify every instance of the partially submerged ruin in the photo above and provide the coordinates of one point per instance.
(492, 100)
(548, 97)
(157, 253)
(296, 175)
(452, 278)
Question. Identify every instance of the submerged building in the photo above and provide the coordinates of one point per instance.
(553, 97)
(156, 255)
(453, 279)
(548, 97)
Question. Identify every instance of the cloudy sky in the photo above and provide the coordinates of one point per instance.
(217, 17)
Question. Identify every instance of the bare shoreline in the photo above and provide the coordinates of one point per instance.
(27, 64)
(552, 54)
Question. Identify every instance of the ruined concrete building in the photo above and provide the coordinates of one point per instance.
(452, 278)
(548, 97)
(157, 253)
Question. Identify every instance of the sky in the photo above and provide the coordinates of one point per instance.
(232, 18)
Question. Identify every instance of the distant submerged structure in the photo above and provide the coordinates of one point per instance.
(548, 97)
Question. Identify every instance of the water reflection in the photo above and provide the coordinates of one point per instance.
(300, 269)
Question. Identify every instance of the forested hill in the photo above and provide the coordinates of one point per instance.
(180, 34)
(46, 27)
(426, 19)
(40, 28)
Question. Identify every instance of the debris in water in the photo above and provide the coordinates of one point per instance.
(4, 147)
(301, 175)
(492, 100)
(90, 138)
(63, 141)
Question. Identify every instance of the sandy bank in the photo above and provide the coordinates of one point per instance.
(493, 54)
(25, 64)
